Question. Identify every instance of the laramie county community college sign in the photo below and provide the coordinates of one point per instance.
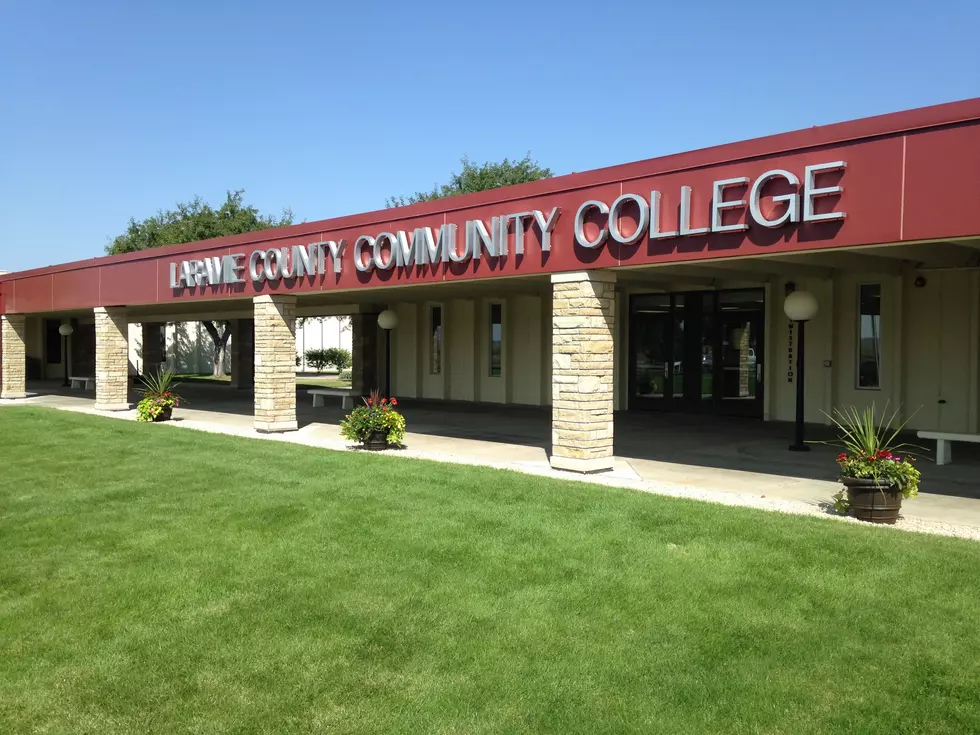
(399, 249)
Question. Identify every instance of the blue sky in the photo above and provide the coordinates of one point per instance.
(115, 109)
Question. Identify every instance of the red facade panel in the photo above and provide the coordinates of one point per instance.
(76, 289)
(942, 184)
(30, 294)
(135, 282)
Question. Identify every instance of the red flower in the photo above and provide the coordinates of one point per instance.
(394, 401)
(842, 456)
(384, 408)
(384, 401)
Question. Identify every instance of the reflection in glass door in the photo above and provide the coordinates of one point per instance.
(742, 320)
(651, 327)
(699, 351)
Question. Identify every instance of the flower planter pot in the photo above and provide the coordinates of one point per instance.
(164, 415)
(377, 441)
(872, 501)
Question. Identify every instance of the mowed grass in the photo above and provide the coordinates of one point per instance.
(323, 381)
(154, 579)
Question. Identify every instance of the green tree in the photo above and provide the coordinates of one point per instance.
(339, 357)
(192, 221)
(478, 178)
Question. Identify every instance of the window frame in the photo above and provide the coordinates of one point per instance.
(490, 325)
(432, 340)
(858, 354)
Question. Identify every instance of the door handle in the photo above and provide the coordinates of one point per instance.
(942, 401)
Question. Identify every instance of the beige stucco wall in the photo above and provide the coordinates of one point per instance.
(930, 349)
(524, 349)
(525, 356)
(406, 351)
(929, 344)
(460, 345)
(940, 348)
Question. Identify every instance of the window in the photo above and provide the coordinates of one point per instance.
(496, 339)
(435, 340)
(869, 336)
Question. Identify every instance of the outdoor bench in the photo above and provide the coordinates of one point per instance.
(943, 441)
(318, 393)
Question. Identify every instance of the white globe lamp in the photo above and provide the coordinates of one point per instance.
(800, 307)
(387, 320)
(65, 330)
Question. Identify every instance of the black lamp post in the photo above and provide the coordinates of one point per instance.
(800, 307)
(65, 331)
(387, 320)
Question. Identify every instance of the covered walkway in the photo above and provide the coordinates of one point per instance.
(744, 457)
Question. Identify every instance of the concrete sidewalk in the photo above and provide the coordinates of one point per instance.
(932, 513)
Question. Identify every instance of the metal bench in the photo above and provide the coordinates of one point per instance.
(84, 383)
(943, 441)
(318, 393)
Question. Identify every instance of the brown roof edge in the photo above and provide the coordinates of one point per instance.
(894, 123)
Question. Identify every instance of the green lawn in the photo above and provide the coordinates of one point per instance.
(154, 579)
(196, 377)
(326, 381)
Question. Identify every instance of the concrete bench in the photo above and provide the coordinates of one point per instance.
(318, 393)
(84, 383)
(943, 441)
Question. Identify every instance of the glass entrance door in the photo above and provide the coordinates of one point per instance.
(698, 351)
(651, 334)
(741, 379)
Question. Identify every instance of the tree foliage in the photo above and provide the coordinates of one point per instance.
(473, 177)
(318, 358)
(192, 221)
(339, 357)
(195, 220)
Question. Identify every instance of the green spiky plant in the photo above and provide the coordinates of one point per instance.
(158, 395)
(871, 451)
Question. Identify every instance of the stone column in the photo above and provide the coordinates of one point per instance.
(243, 353)
(13, 369)
(275, 363)
(583, 328)
(365, 351)
(153, 347)
(111, 359)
